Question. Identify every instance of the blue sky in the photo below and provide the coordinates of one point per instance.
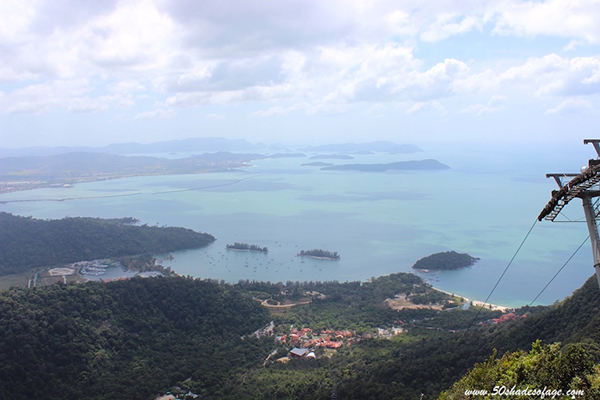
(95, 73)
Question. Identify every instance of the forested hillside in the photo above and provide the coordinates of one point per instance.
(547, 371)
(134, 339)
(27, 243)
(124, 340)
(425, 360)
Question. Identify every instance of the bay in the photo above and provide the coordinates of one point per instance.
(380, 223)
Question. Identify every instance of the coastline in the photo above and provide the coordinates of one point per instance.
(477, 303)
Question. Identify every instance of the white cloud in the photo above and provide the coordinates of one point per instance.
(86, 104)
(271, 112)
(571, 106)
(214, 117)
(564, 18)
(276, 111)
(427, 107)
(299, 57)
(437, 82)
(327, 109)
(40, 97)
(159, 113)
(495, 104)
(573, 44)
(448, 25)
(126, 86)
(555, 75)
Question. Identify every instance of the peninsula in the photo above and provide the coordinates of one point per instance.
(66, 170)
(448, 260)
(246, 247)
(320, 254)
(29, 243)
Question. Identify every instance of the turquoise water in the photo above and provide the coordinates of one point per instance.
(380, 223)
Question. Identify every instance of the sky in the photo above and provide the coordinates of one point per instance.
(312, 71)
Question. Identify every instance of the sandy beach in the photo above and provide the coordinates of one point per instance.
(477, 303)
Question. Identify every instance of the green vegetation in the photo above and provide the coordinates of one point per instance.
(125, 340)
(144, 263)
(137, 338)
(246, 246)
(545, 371)
(318, 253)
(430, 358)
(445, 261)
(30, 243)
(357, 306)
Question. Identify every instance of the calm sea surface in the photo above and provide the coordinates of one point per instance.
(380, 223)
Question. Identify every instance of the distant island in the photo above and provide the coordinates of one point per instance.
(378, 146)
(448, 260)
(400, 165)
(246, 247)
(331, 157)
(287, 155)
(320, 254)
(316, 164)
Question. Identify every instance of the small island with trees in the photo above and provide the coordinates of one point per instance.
(448, 260)
(246, 247)
(320, 254)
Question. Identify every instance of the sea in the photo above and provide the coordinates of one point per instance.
(380, 223)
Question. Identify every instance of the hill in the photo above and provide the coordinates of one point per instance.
(125, 340)
(134, 339)
(445, 261)
(431, 355)
(30, 243)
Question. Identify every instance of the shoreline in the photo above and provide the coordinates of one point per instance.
(477, 303)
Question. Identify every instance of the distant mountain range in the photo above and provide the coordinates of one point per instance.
(210, 144)
(361, 148)
(200, 144)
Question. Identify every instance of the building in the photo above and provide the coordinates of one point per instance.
(296, 352)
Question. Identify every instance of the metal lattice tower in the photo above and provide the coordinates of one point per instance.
(584, 186)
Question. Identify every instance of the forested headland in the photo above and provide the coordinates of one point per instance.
(27, 243)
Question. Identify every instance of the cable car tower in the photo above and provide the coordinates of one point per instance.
(584, 186)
